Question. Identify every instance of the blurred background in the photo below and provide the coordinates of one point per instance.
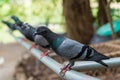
(61, 16)
(35, 12)
(87, 21)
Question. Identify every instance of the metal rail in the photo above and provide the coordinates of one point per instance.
(91, 65)
(53, 65)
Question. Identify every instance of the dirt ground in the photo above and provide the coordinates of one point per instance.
(12, 55)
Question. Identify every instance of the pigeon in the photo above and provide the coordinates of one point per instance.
(10, 25)
(28, 31)
(25, 29)
(70, 49)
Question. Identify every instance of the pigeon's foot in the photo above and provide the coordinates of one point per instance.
(32, 46)
(45, 53)
(65, 69)
(23, 39)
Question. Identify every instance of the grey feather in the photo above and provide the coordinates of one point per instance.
(29, 31)
(41, 41)
(71, 51)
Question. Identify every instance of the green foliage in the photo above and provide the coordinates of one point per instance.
(31, 11)
(115, 13)
(118, 0)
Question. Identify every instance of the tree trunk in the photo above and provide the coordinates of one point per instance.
(79, 20)
(107, 10)
(102, 17)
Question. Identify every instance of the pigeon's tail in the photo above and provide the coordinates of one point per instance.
(101, 62)
(17, 20)
(5, 22)
(97, 57)
(10, 25)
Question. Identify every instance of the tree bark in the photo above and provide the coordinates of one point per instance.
(102, 17)
(79, 20)
(107, 10)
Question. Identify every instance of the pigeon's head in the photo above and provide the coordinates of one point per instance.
(42, 30)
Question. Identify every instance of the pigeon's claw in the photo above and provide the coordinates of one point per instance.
(45, 53)
(32, 46)
(23, 39)
(65, 69)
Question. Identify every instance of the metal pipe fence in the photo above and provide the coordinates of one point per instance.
(54, 65)
(91, 65)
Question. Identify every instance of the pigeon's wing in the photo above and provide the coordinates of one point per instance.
(69, 48)
(41, 41)
(27, 32)
(98, 57)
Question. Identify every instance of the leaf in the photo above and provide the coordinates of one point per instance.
(118, 0)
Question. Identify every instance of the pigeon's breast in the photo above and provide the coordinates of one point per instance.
(69, 48)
